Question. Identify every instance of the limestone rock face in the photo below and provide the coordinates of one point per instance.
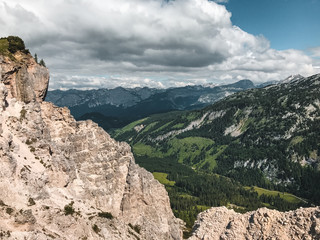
(62, 179)
(25, 79)
(221, 223)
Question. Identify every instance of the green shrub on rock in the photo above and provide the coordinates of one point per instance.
(68, 209)
(16, 44)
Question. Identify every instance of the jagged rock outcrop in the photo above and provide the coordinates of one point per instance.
(62, 179)
(221, 223)
(25, 79)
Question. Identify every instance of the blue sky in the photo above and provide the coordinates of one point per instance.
(285, 23)
(166, 43)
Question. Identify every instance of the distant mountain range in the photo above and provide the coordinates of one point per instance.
(268, 137)
(254, 148)
(114, 108)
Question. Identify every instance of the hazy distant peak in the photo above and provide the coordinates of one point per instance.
(211, 85)
(292, 78)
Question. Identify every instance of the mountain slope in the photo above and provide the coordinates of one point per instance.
(117, 107)
(267, 137)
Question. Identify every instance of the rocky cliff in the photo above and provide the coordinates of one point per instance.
(62, 179)
(221, 223)
(25, 79)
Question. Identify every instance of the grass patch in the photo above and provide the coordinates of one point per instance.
(141, 149)
(162, 178)
(235, 207)
(190, 150)
(261, 123)
(203, 207)
(210, 161)
(296, 140)
(285, 196)
(192, 116)
(129, 127)
(314, 154)
(4, 45)
(195, 151)
(188, 196)
(221, 149)
(162, 127)
(147, 128)
(178, 126)
(246, 124)
(267, 205)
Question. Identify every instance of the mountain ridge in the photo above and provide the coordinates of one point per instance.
(126, 105)
(267, 135)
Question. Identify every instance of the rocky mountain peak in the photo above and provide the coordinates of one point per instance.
(292, 78)
(25, 79)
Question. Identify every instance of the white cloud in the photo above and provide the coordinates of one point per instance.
(156, 43)
(221, 1)
(315, 52)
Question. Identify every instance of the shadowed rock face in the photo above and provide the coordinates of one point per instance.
(64, 179)
(25, 79)
(221, 223)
